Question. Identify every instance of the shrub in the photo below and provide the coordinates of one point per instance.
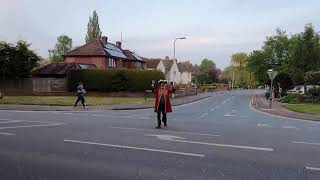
(112, 80)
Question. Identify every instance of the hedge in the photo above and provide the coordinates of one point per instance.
(113, 80)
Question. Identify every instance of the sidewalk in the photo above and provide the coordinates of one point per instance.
(175, 102)
(260, 103)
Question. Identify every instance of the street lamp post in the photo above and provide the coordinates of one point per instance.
(272, 74)
(174, 46)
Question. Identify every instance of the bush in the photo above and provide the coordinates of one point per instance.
(293, 99)
(113, 80)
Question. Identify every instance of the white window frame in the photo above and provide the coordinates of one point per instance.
(112, 63)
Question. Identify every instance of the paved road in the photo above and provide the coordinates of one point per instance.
(216, 138)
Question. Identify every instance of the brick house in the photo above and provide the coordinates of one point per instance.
(104, 55)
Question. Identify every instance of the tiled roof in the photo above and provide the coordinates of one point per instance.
(59, 69)
(92, 49)
(152, 63)
(168, 64)
(184, 67)
(129, 55)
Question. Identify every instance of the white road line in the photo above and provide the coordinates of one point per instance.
(308, 143)
(227, 100)
(290, 127)
(264, 125)
(203, 115)
(144, 118)
(225, 145)
(6, 122)
(97, 115)
(4, 119)
(42, 122)
(176, 132)
(212, 109)
(312, 168)
(7, 134)
(229, 115)
(68, 113)
(134, 148)
(30, 126)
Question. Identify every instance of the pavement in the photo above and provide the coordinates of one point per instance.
(221, 137)
(175, 102)
(260, 103)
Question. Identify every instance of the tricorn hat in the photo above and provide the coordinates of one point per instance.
(162, 81)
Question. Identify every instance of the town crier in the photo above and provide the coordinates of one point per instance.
(162, 103)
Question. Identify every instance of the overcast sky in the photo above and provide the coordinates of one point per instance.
(214, 29)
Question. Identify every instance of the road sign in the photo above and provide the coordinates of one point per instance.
(272, 74)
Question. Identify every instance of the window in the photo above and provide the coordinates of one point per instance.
(112, 63)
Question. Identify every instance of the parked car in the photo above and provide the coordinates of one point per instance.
(300, 89)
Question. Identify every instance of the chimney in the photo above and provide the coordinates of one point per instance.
(118, 44)
(104, 39)
(166, 58)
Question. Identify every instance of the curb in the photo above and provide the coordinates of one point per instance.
(273, 113)
(61, 108)
(151, 106)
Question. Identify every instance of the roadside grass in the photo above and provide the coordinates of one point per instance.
(304, 108)
(70, 100)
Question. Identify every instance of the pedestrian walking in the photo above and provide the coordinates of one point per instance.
(80, 94)
(162, 103)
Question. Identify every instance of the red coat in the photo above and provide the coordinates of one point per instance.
(166, 92)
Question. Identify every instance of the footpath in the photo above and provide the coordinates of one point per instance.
(175, 102)
(260, 103)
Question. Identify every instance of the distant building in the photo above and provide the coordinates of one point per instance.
(186, 71)
(179, 73)
(104, 55)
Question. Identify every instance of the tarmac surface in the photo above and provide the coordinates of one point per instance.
(220, 137)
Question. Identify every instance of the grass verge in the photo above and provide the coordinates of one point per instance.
(70, 100)
(304, 108)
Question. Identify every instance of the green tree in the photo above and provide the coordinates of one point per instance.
(239, 61)
(206, 65)
(63, 45)
(306, 53)
(275, 54)
(93, 29)
(17, 61)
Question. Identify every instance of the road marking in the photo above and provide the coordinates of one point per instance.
(165, 137)
(290, 127)
(264, 125)
(68, 113)
(4, 119)
(177, 132)
(203, 115)
(7, 134)
(144, 118)
(234, 110)
(179, 139)
(312, 168)
(5, 122)
(308, 143)
(230, 115)
(227, 100)
(134, 148)
(30, 126)
(97, 115)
